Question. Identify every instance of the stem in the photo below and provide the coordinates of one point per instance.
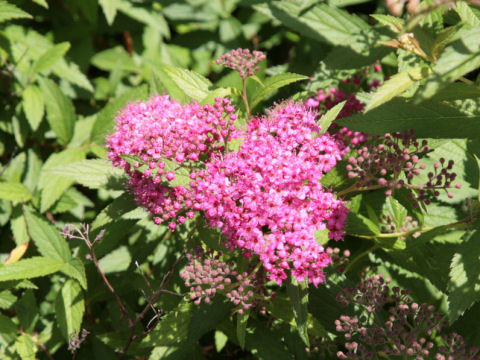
(354, 188)
(244, 96)
(361, 255)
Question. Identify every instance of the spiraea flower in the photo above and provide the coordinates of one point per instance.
(267, 199)
(161, 131)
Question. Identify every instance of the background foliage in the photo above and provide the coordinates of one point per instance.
(68, 66)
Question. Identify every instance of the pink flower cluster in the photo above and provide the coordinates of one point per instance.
(267, 199)
(161, 130)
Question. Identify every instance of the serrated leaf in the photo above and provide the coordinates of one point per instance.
(330, 116)
(25, 347)
(395, 86)
(41, 3)
(11, 12)
(242, 320)
(7, 299)
(50, 57)
(392, 22)
(60, 110)
(33, 105)
(396, 210)
(105, 118)
(321, 22)
(464, 283)
(27, 311)
(116, 261)
(183, 84)
(109, 8)
(69, 309)
(53, 186)
(457, 91)
(173, 328)
(114, 58)
(272, 84)
(12, 191)
(47, 237)
(298, 293)
(76, 270)
(30, 268)
(458, 59)
(7, 326)
(121, 205)
(430, 119)
(148, 17)
(92, 173)
(466, 13)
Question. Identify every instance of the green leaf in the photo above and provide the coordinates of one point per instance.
(47, 237)
(33, 105)
(321, 22)
(30, 268)
(242, 320)
(466, 14)
(41, 3)
(298, 293)
(25, 347)
(109, 8)
(50, 57)
(7, 326)
(458, 59)
(457, 91)
(105, 118)
(183, 84)
(14, 192)
(395, 86)
(116, 261)
(392, 22)
(220, 340)
(69, 309)
(11, 12)
(76, 270)
(121, 205)
(274, 83)
(114, 58)
(330, 116)
(53, 186)
(60, 110)
(429, 119)
(92, 173)
(393, 208)
(464, 283)
(7, 299)
(27, 311)
(18, 225)
(206, 316)
(173, 328)
(147, 17)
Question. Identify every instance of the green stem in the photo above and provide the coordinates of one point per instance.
(361, 255)
(244, 96)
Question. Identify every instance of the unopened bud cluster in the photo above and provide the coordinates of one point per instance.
(400, 328)
(207, 275)
(392, 160)
(242, 60)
